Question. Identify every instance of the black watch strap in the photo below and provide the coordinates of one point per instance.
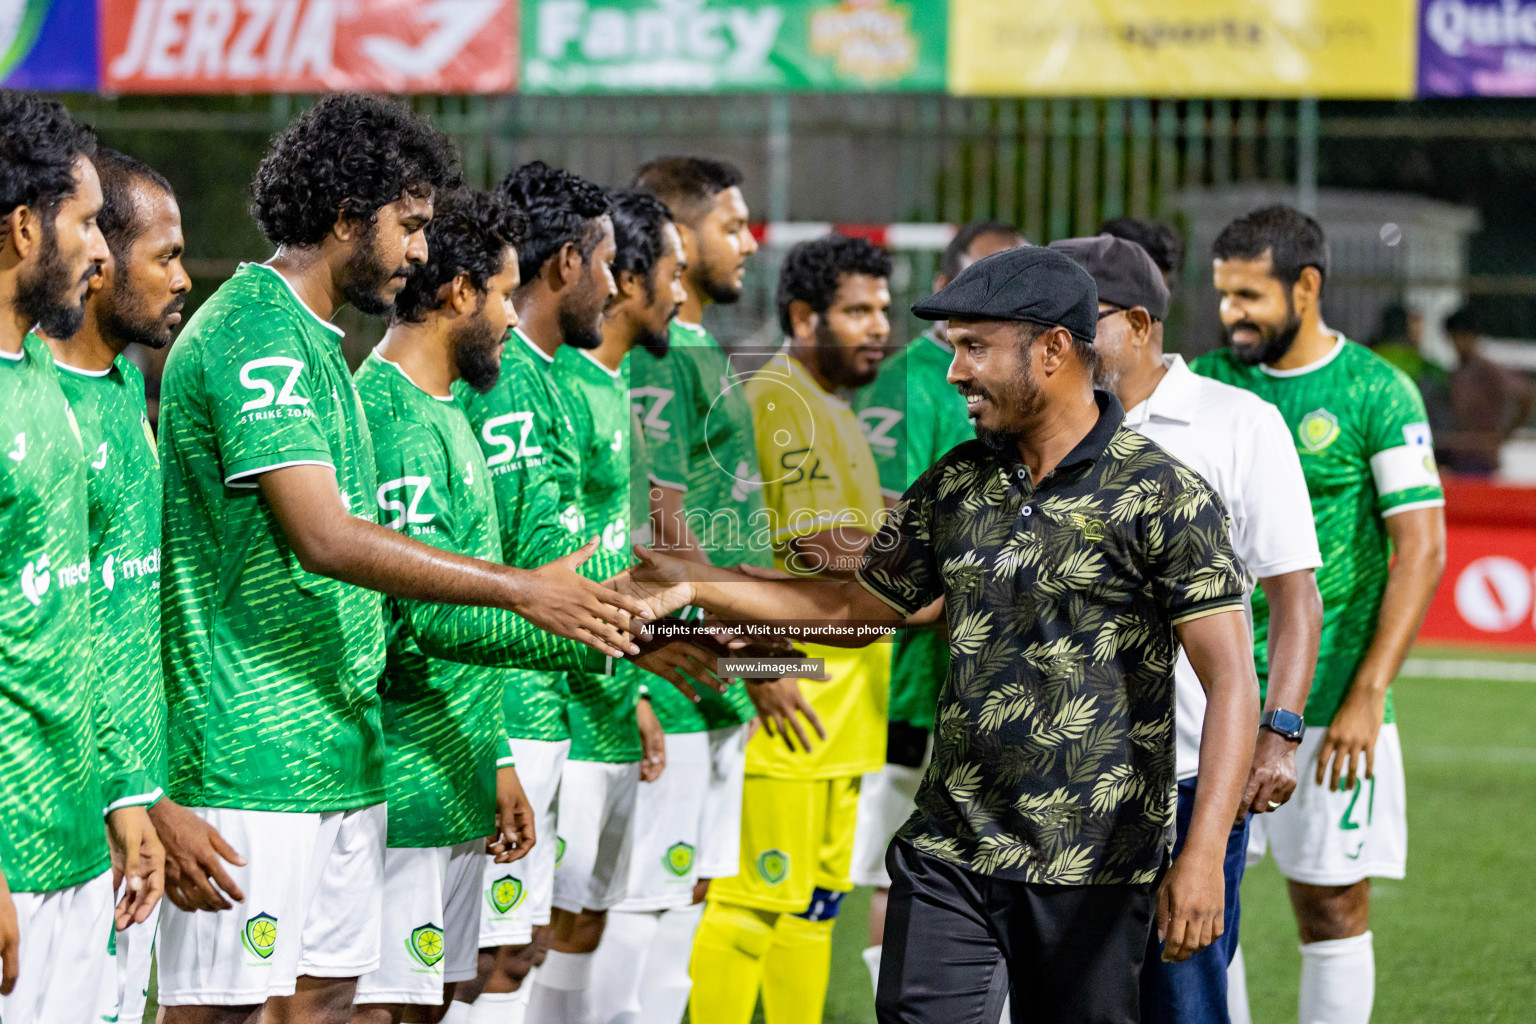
(1284, 723)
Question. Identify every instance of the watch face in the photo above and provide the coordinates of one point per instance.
(1287, 723)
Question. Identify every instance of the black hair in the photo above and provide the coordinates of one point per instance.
(119, 216)
(954, 252)
(469, 234)
(39, 144)
(813, 270)
(1293, 240)
(347, 155)
(1162, 243)
(1463, 320)
(639, 226)
(560, 206)
(687, 184)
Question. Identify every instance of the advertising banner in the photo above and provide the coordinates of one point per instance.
(572, 46)
(214, 46)
(1477, 48)
(1488, 592)
(49, 45)
(1265, 48)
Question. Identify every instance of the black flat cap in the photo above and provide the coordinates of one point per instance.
(1125, 274)
(1030, 283)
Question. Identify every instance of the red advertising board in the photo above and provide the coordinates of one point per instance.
(1488, 593)
(210, 46)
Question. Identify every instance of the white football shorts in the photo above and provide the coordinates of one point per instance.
(515, 898)
(719, 854)
(1320, 837)
(431, 934)
(663, 863)
(314, 887)
(597, 828)
(64, 960)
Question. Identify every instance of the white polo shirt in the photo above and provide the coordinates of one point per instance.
(1241, 446)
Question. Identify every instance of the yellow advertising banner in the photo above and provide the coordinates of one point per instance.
(1361, 49)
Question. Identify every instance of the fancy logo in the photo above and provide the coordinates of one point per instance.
(259, 936)
(773, 866)
(1318, 429)
(269, 395)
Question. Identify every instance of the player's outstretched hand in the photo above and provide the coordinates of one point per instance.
(780, 706)
(661, 581)
(10, 939)
(1190, 906)
(563, 602)
(684, 664)
(514, 836)
(1351, 739)
(195, 855)
(653, 742)
(138, 863)
(1272, 779)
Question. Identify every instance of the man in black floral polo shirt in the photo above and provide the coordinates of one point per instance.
(1072, 556)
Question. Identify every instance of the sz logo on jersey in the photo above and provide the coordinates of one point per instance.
(406, 506)
(270, 394)
(520, 448)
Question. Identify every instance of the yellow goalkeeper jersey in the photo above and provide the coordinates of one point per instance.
(819, 473)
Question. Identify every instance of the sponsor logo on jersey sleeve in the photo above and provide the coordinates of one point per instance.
(403, 497)
(269, 392)
(1318, 429)
(35, 579)
(1416, 435)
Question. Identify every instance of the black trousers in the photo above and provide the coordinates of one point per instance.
(955, 940)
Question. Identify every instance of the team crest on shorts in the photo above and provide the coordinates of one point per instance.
(1318, 429)
(426, 945)
(773, 866)
(678, 859)
(259, 936)
(559, 850)
(506, 894)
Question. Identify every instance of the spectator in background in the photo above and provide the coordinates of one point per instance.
(1399, 340)
(1161, 241)
(1488, 401)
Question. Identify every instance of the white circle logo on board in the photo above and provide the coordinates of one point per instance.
(1493, 594)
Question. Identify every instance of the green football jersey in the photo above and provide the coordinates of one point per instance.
(1361, 431)
(443, 730)
(271, 672)
(529, 442)
(911, 416)
(699, 440)
(64, 761)
(123, 490)
(602, 708)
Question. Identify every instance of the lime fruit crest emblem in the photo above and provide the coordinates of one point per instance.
(259, 935)
(559, 850)
(426, 945)
(1318, 429)
(773, 865)
(506, 894)
(678, 859)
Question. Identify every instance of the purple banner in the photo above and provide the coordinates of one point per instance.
(1477, 48)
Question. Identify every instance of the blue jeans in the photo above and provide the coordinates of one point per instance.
(1195, 991)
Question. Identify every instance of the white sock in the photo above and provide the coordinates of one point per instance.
(621, 960)
(665, 986)
(1237, 989)
(563, 992)
(497, 1008)
(1338, 981)
(872, 961)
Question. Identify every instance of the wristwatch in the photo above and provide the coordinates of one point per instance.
(1284, 723)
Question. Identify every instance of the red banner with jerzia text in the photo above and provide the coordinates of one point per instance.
(1488, 592)
(223, 46)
